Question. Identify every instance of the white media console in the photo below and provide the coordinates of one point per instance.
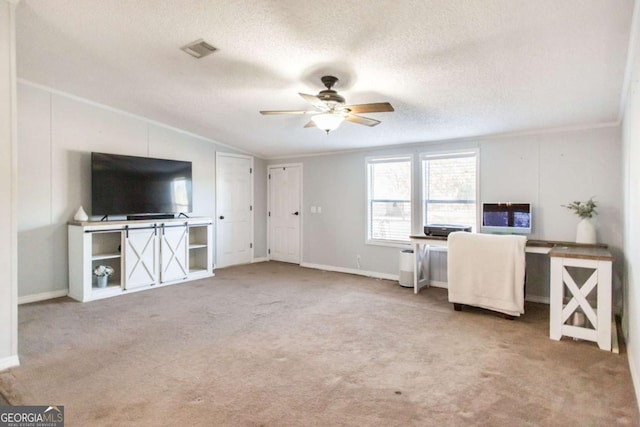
(144, 254)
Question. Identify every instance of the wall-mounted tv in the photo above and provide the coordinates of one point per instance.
(129, 185)
(506, 218)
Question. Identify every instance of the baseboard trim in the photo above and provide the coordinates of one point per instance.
(537, 298)
(438, 284)
(9, 362)
(634, 375)
(373, 274)
(26, 299)
(260, 259)
(530, 298)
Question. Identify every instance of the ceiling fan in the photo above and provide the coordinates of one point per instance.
(330, 109)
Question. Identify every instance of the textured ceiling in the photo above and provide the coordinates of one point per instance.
(450, 68)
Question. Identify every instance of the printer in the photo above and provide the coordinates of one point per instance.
(443, 230)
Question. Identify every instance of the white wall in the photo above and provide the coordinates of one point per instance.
(548, 170)
(631, 184)
(57, 134)
(8, 178)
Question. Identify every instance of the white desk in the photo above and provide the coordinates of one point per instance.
(421, 246)
(562, 254)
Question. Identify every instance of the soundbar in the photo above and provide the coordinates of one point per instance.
(443, 230)
(151, 216)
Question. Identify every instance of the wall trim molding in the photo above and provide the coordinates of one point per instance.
(26, 299)
(355, 271)
(9, 362)
(259, 259)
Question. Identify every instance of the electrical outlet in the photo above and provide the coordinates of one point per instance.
(358, 261)
(313, 209)
(319, 209)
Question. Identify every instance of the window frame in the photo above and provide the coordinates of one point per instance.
(450, 154)
(388, 159)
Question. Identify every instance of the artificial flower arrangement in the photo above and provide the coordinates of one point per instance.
(103, 270)
(583, 209)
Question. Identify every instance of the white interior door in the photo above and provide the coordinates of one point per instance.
(234, 209)
(285, 213)
(173, 252)
(140, 260)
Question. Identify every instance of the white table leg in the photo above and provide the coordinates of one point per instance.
(604, 305)
(599, 318)
(416, 266)
(421, 267)
(555, 299)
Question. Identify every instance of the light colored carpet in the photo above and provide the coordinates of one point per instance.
(275, 344)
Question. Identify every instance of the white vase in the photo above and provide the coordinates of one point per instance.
(586, 232)
(81, 215)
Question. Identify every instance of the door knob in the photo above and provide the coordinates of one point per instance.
(295, 213)
(221, 217)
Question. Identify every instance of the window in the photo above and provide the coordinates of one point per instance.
(449, 190)
(389, 200)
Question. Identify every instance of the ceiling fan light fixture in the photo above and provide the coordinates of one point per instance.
(330, 110)
(328, 121)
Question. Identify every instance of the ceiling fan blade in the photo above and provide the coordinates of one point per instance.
(314, 100)
(310, 124)
(362, 120)
(377, 107)
(266, 113)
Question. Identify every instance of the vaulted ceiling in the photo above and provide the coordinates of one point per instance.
(450, 68)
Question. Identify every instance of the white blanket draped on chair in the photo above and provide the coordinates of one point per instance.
(486, 270)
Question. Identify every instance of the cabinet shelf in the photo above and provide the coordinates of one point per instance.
(97, 257)
(108, 288)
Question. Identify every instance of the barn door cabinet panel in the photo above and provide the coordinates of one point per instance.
(142, 255)
(174, 253)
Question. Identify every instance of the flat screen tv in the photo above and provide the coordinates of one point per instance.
(506, 218)
(128, 185)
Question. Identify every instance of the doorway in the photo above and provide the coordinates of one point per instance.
(234, 209)
(285, 213)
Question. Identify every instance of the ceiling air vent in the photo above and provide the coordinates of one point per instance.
(199, 49)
